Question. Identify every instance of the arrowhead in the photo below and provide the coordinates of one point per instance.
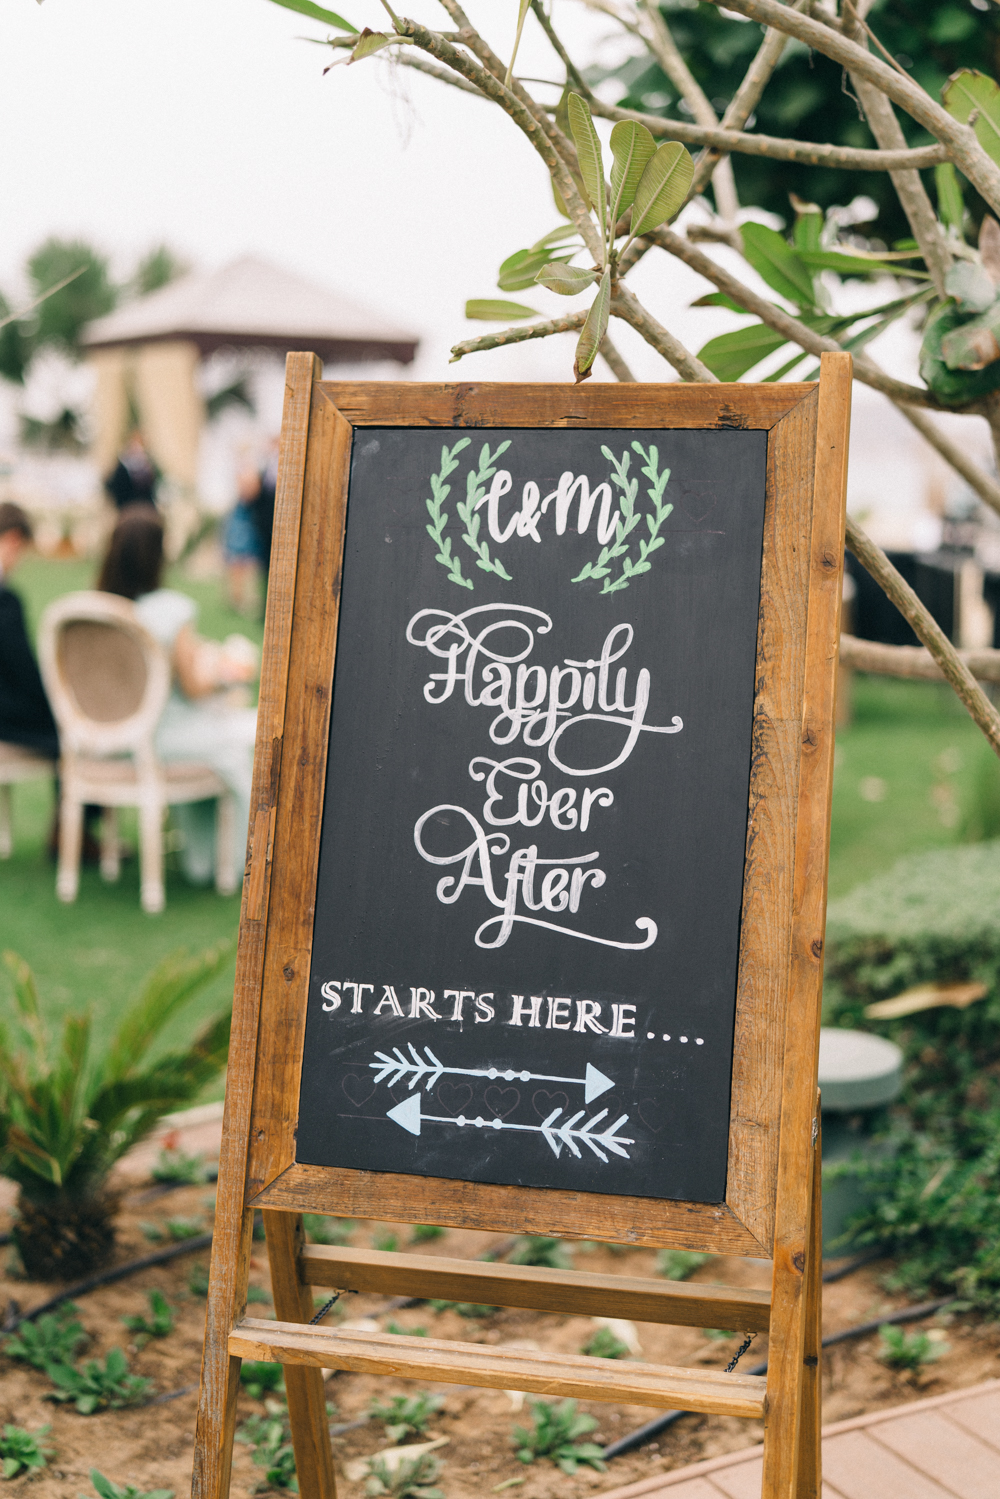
(595, 1083)
(407, 1114)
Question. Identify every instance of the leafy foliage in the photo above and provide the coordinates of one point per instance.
(399, 1331)
(404, 1414)
(322, 1229)
(22, 1451)
(179, 1169)
(475, 491)
(426, 1233)
(176, 1229)
(270, 1437)
(439, 517)
(94, 1386)
(197, 1282)
(909, 1350)
(66, 1117)
(108, 1490)
(159, 1325)
(158, 267)
(678, 1264)
(554, 1434)
(532, 1250)
(56, 1337)
(602, 1343)
(258, 1377)
(413, 1478)
(470, 1309)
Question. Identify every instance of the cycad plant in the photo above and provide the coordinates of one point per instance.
(67, 1115)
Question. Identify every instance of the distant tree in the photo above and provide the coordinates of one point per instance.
(160, 266)
(60, 318)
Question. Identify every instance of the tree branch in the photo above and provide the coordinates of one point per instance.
(568, 324)
(573, 74)
(986, 488)
(926, 628)
(687, 365)
(963, 147)
(914, 662)
(615, 362)
(443, 75)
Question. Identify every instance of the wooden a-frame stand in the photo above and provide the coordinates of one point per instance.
(774, 1128)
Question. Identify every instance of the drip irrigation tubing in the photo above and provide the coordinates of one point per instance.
(652, 1429)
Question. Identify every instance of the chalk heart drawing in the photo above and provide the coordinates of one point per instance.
(651, 1114)
(543, 1102)
(358, 1089)
(696, 507)
(502, 1101)
(454, 1097)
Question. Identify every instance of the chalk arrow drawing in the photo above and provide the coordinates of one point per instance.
(570, 1133)
(593, 1082)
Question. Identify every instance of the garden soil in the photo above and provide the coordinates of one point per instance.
(151, 1446)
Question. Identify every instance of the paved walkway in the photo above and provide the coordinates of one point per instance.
(947, 1447)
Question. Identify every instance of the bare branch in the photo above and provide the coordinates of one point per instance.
(687, 365)
(783, 322)
(568, 324)
(914, 662)
(777, 148)
(963, 147)
(926, 628)
(443, 75)
(615, 362)
(986, 488)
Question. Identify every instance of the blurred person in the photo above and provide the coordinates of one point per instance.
(198, 723)
(134, 478)
(262, 506)
(241, 543)
(25, 715)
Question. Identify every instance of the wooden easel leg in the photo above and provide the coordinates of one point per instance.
(810, 1455)
(303, 1386)
(220, 1374)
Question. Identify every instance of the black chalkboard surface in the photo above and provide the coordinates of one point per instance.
(528, 904)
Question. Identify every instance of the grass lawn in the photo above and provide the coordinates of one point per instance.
(905, 770)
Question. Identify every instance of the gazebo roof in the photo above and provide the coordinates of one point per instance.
(251, 303)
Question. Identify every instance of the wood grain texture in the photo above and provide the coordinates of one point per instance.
(560, 1375)
(653, 1222)
(798, 1105)
(810, 1475)
(304, 1387)
(233, 1223)
(311, 654)
(762, 985)
(410, 404)
(575, 1292)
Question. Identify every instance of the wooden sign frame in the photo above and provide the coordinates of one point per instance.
(771, 1206)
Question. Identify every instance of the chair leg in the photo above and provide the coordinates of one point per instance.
(110, 847)
(151, 896)
(6, 823)
(70, 842)
(225, 845)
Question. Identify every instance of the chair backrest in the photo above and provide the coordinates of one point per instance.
(106, 676)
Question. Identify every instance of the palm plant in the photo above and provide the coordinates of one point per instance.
(66, 1115)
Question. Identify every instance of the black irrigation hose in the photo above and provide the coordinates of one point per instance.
(107, 1277)
(652, 1429)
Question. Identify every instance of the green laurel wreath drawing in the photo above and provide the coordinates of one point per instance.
(475, 490)
(628, 520)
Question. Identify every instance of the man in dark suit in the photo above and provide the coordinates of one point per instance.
(25, 715)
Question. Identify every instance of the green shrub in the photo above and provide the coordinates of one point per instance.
(678, 1264)
(404, 1414)
(258, 1376)
(602, 1343)
(464, 1308)
(178, 1169)
(426, 1233)
(94, 1386)
(399, 1331)
(21, 1451)
(158, 1326)
(271, 1439)
(197, 1282)
(388, 1243)
(322, 1229)
(981, 812)
(531, 1250)
(108, 1490)
(909, 1350)
(554, 1433)
(411, 1479)
(175, 1229)
(55, 1338)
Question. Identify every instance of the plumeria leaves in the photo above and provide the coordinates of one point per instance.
(588, 150)
(317, 13)
(567, 280)
(370, 42)
(773, 258)
(522, 12)
(486, 311)
(663, 187)
(520, 269)
(632, 146)
(594, 329)
(969, 92)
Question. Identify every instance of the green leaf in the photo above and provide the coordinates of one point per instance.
(719, 299)
(954, 387)
(853, 265)
(522, 12)
(773, 258)
(485, 311)
(594, 329)
(588, 150)
(951, 206)
(968, 90)
(316, 13)
(567, 280)
(663, 187)
(371, 42)
(731, 354)
(632, 146)
(808, 225)
(519, 269)
(557, 236)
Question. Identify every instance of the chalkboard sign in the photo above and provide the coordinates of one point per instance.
(526, 937)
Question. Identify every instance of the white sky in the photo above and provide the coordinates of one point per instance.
(205, 123)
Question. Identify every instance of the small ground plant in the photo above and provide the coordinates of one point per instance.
(678, 1264)
(22, 1451)
(197, 1282)
(173, 1166)
(554, 1434)
(551, 1253)
(602, 1343)
(108, 1490)
(397, 1329)
(463, 1308)
(909, 1350)
(426, 1233)
(413, 1478)
(258, 1377)
(322, 1229)
(387, 1242)
(94, 1386)
(404, 1414)
(158, 1325)
(55, 1338)
(271, 1439)
(176, 1229)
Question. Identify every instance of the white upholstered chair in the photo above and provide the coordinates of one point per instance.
(108, 680)
(17, 764)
